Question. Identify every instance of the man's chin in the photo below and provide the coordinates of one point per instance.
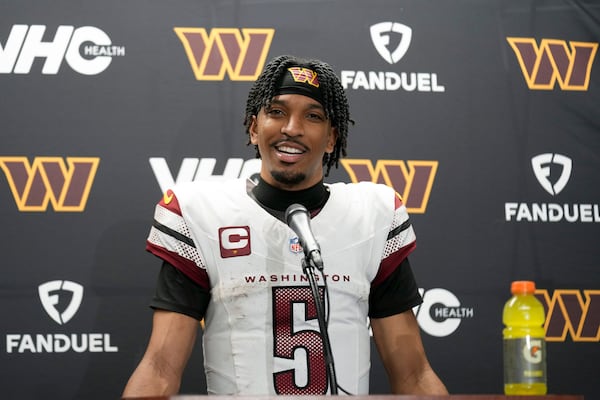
(288, 178)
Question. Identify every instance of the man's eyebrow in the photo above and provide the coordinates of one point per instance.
(316, 105)
(279, 102)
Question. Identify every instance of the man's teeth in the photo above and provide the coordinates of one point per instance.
(291, 150)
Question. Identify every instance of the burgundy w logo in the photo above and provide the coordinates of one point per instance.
(226, 50)
(554, 61)
(304, 75)
(567, 311)
(413, 180)
(48, 179)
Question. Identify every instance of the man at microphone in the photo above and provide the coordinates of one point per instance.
(229, 257)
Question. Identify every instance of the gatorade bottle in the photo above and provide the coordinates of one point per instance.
(524, 342)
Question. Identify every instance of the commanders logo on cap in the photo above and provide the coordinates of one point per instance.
(301, 80)
(304, 75)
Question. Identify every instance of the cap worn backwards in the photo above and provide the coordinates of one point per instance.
(301, 80)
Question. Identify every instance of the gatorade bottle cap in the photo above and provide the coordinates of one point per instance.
(520, 287)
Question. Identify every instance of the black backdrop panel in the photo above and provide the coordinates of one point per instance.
(484, 115)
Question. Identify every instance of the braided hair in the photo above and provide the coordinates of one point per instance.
(335, 102)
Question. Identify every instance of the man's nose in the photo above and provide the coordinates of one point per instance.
(293, 126)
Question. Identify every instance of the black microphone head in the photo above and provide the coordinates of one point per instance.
(292, 209)
(298, 219)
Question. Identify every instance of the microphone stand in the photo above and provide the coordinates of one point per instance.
(308, 266)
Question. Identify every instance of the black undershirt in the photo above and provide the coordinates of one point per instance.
(177, 292)
(276, 201)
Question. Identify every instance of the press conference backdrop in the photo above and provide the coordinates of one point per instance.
(484, 116)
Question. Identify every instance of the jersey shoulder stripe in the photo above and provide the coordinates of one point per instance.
(171, 239)
(188, 267)
(401, 241)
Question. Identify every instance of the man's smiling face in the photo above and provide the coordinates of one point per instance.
(292, 135)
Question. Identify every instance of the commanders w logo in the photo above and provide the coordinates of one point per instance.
(412, 180)
(553, 61)
(241, 55)
(304, 75)
(48, 179)
(567, 311)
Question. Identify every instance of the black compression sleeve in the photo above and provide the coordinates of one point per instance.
(398, 293)
(176, 292)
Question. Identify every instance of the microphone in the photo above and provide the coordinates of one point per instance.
(297, 218)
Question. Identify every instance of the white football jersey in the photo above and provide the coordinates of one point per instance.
(261, 333)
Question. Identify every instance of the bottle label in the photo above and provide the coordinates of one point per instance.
(525, 360)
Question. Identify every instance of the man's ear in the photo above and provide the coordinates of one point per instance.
(331, 140)
(252, 130)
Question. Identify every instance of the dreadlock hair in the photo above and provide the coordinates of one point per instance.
(334, 99)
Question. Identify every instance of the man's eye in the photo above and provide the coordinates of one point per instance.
(317, 117)
(274, 111)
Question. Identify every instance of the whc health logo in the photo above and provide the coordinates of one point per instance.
(88, 50)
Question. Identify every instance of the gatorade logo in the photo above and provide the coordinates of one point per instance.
(571, 312)
(239, 54)
(532, 351)
(554, 61)
(413, 180)
(50, 180)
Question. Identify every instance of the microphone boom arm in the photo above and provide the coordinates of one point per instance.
(308, 267)
(298, 219)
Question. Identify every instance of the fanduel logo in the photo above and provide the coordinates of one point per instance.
(50, 180)
(441, 312)
(240, 54)
(554, 61)
(543, 166)
(87, 50)
(412, 179)
(380, 36)
(50, 301)
(52, 296)
(383, 35)
(196, 169)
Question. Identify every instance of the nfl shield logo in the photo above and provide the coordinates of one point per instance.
(295, 245)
